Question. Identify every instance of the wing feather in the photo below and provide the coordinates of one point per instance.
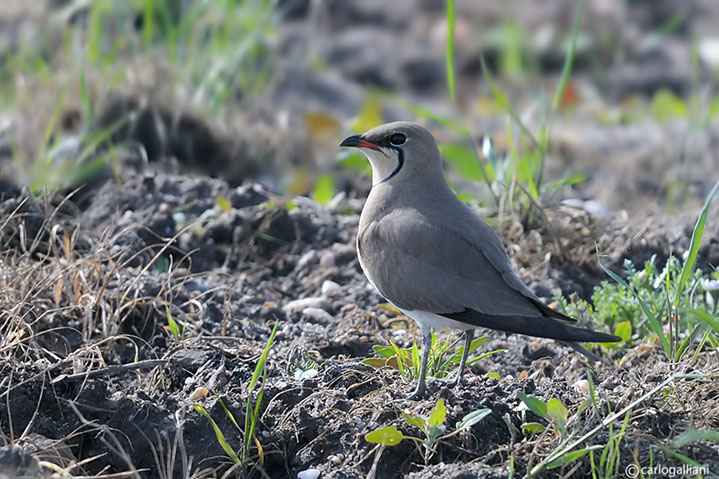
(439, 270)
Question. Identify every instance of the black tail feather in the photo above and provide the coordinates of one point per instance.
(539, 326)
(581, 349)
(550, 313)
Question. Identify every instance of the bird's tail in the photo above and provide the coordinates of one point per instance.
(538, 326)
(581, 349)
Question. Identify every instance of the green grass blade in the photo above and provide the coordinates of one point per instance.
(536, 405)
(400, 361)
(697, 234)
(170, 29)
(50, 129)
(220, 436)
(695, 435)
(256, 411)
(683, 458)
(450, 50)
(571, 457)
(685, 344)
(384, 351)
(251, 424)
(503, 102)
(172, 326)
(263, 358)
(94, 31)
(559, 92)
(569, 60)
(484, 355)
(228, 413)
(712, 321)
(148, 22)
(416, 360)
(86, 102)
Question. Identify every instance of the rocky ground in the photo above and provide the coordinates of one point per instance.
(89, 290)
(154, 287)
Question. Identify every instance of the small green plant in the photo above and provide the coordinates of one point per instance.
(663, 302)
(516, 181)
(205, 43)
(553, 411)
(301, 365)
(65, 163)
(607, 466)
(567, 450)
(172, 327)
(432, 427)
(324, 189)
(242, 459)
(442, 362)
(449, 51)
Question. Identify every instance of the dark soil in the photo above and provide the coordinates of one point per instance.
(162, 244)
(191, 230)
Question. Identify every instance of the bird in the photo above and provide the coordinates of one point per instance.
(435, 259)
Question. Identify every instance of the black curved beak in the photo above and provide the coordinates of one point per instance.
(358, 142)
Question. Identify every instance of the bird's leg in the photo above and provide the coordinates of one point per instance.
(421, 384)
(468, 335)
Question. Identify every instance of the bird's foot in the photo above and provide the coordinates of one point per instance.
(420, 392)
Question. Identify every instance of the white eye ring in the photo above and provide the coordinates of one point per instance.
(395, 137)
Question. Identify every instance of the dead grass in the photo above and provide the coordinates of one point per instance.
(65, 304)
(70, 301)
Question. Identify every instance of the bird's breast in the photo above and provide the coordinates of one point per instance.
(362, 259)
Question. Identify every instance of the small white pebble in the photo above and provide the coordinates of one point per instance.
(306, 259)
(329, 287)
(308, 374)
(300, 304)
(308, 474)
(582, 386)
(707, 284)
(708, 49)
(335, 459)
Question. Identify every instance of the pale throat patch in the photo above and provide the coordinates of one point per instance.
(384, 162)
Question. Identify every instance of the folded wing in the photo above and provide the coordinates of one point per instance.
(465, 276)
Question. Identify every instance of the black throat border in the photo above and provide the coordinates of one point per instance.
(400, 163)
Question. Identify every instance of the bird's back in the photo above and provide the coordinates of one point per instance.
(439, 255)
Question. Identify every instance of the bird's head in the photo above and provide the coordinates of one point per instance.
(398, 150)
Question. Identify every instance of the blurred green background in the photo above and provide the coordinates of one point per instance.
(606, 104)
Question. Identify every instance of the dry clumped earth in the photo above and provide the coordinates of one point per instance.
(93, 383)
(87, 290)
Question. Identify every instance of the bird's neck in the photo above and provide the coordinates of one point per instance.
(417, 193)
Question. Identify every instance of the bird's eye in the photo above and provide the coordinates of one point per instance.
(398, 139)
